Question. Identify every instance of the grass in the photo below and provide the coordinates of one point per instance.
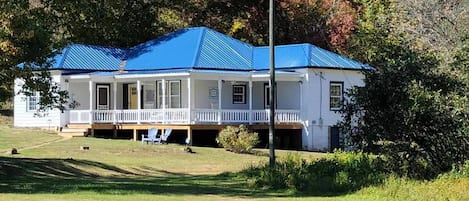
(20, 138)
(403, 189)
(126, 170)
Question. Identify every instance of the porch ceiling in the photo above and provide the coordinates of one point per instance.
(195, 74)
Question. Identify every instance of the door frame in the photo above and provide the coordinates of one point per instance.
(108, 96)
(267, 94)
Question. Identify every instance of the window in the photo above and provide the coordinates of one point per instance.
(32, 102)
(336, 95)
(239, 94)
(172, 93)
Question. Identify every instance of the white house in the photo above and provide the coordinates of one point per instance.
(198, 79)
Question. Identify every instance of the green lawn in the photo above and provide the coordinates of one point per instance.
(20, 138)
(126, 170)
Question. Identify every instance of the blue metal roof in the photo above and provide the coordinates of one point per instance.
(218, 51)
(303, 55)
(174, 50)
(88, 57)
(198, 48)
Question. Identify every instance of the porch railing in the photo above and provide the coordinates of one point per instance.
(181, 115)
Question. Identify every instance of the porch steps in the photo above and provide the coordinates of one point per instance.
(83, 126)
(74, 131)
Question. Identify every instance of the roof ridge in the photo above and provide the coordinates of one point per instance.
(199, 46)
(65, 56)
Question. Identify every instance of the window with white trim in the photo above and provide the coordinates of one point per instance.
(239, 94)
(32, 102)
(336, 95)
(172, 93)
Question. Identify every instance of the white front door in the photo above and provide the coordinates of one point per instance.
(102, 96)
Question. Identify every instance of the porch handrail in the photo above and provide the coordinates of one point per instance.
(79, 116)
(182, 115)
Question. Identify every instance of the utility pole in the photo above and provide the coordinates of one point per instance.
(272, 84)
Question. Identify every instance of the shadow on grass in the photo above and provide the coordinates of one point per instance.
(34, 176)
(58, 176)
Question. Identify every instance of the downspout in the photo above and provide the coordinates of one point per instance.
(320, 121)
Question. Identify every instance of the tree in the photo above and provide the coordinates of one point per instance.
(27, 38)
(117, 23)
(373, 31)
(433, 24)
(326, 23)
(408, 113)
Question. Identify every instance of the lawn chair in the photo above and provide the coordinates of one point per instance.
(165, 136)
(151, 137)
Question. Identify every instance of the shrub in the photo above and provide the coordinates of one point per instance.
(337, 173)
(238, 139)
(458, 171)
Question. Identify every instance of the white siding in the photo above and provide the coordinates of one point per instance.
(316, 113)
(79, 91)
(184, 93)
(201, 89)
(258, 95)
(120, 95)
(24, 118)
(288, 95)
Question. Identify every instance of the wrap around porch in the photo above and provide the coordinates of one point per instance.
(184, 98)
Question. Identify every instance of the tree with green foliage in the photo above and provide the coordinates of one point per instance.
(117, 23)
(408, 114)
(27, 37)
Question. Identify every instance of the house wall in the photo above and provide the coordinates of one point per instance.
(258, 95)
(120, 96)
(26, 118)
(184, 93)
(201, 94)
(315, 112)
(79, 91)
(288, 95)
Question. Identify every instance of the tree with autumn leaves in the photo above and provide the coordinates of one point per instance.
(33, 30)
(419, 50)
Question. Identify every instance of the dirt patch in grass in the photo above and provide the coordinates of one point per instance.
(6, 120)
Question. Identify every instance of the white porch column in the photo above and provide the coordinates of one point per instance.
(219, 100)
(189, 102)
(114, 104)
(138, 102)
(90, 86)
(163, 87)
(250, 101)
(301, 96)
